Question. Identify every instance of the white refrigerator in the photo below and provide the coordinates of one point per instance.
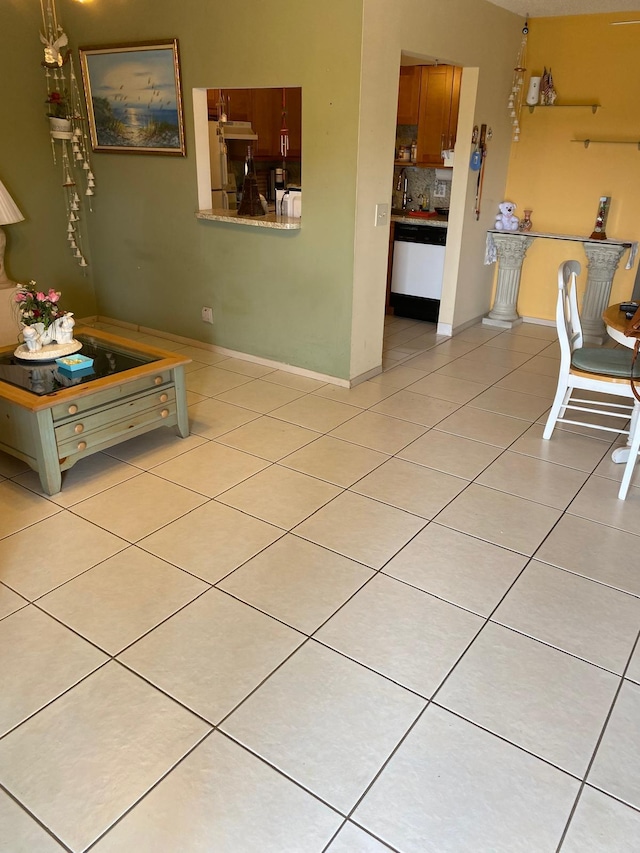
(223, 184)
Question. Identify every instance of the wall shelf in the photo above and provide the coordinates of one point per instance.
(593, 107)
(588, 142)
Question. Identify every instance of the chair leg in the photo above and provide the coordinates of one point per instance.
(559, 403)
(634, 447)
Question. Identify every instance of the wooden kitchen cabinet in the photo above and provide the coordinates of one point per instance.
(237, 101)
(438, 111)
(409, 94)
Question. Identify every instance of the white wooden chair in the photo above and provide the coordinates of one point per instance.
(599, 369)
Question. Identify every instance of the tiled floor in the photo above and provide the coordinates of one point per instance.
(390, 618)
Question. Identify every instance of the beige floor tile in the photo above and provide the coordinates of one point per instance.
(315, 413)
(457, 347)
(533, 479)
(160, 342)
(138, 507)
(502, 798)
(34, 575)
(280, 496)
(377, 629)
(212, 654)
(211, 541)
(586, 619)
(475, 371)
(616, 768)
(448, 388)
(10, 466)
(399, 377)
(495, 684)
(478, 334)
(259, 396)
(615, 470)
(211, 418)
(598, 501)
(352, 839)
(338, 462)
(541, 364)
(429, 361)
(410, 487)
(496, 517)
(490, 355)
(417, 408)
(21, 508)
(212, 380)
(296, 581)
(192, 366)
(115, 603)
(530, 383)
(512, 403)
(39, 660)
(86, 478)
(268, 438)
(154, 448)
(601, 825)
(10, 601)
(85, 759)
(210, 469)
(458, 568)
(346, 525)
(488, 427)
(22, 831)
(379, 432)
(204, 355)
(519, 343)
(326, 722)
(363, 396)
(536, 330)
(293, 380)
(564, 448)
(246, 368)
(452, 454)
(193, 398)
(226, 794)
(594, 551)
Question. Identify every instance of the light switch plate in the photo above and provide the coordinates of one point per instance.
(382, 214)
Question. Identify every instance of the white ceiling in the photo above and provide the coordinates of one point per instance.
(547, 8)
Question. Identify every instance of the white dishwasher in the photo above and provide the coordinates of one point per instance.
(418, 267)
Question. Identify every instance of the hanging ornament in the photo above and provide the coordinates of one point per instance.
(514, 104)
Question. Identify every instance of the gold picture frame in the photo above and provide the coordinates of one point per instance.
(134, 97)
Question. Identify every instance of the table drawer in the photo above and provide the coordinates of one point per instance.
(116, 430)
(98, 419)
(71, 408)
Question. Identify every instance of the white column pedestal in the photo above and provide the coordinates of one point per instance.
(603, 263)
(511, 249)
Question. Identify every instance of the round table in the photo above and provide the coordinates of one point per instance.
(616, 321)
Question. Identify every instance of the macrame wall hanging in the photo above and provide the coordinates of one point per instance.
(68, 126)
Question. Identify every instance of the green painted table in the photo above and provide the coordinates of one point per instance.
(50, 421)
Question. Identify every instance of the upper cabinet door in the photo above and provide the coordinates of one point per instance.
(409, 94)
(438, 112)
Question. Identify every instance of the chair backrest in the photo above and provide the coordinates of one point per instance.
(567, 316)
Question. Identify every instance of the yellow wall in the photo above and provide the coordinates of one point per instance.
(560, 180)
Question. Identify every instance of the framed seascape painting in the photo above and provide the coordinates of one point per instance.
(134, 101)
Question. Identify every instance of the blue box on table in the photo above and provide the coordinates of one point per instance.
(75, 364)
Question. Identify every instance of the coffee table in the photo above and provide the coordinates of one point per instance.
(50, 420)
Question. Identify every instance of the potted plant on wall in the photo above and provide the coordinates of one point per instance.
(59, 114)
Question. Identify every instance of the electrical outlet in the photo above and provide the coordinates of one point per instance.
(440, 189)
(207, 315)
(382, 214)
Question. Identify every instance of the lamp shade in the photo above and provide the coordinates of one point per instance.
(9, 212)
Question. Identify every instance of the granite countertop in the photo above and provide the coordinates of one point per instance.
(268, 220)
(432, 221)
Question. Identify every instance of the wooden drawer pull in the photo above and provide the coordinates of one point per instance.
(164, 413)
(82, 445)
(72, 409)
(78, 428)
(157, 380)
(164, 398)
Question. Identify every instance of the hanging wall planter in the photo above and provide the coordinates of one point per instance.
(60, 128)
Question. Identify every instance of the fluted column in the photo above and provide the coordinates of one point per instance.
(603, 262)
(511, 249)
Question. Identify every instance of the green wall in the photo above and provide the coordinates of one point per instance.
(36, 248)
(279, 295)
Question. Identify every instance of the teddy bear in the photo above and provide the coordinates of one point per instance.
(506, 219)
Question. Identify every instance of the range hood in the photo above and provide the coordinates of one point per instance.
(238, 130)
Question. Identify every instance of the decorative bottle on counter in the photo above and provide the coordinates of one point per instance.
(525, 223)
(414, 151)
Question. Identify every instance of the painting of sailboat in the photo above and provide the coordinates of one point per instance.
(134, 99)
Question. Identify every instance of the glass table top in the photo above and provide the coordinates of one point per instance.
(46, 378)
